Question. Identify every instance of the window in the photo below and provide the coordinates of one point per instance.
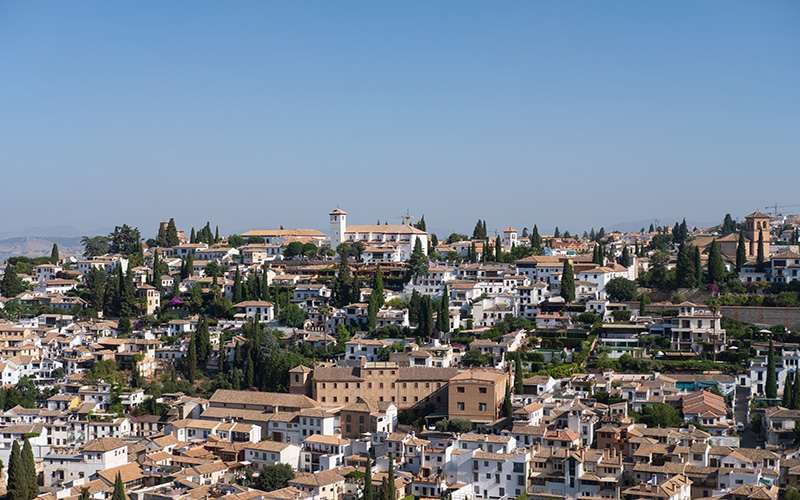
(460, 406)
(482, 390)
(481, 406)
(459, 389)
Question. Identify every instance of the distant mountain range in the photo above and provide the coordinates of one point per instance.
(32, 246)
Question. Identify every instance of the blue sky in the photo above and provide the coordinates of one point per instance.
(260, 114)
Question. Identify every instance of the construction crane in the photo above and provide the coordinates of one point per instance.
(776, 207)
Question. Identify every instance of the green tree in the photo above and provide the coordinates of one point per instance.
(642, 305)
(54, 255)
(443, 319)
(29, 468)
(519, 388)
(567, 283)
(237, 287)
(274, 477)
(84, 494)
(760, 252)
(236, 241)
(124, 326)
(391, 492)
(698, 267)
(741, 252)
(536, 241)
(172, 234)
(418, 262)
(795, 393)
(620, 289)
(119, 489)
(203, 342)
(787, 391)
(12, 284)
(474, 357)
(661, 415)
(372, 310)
(684, 269)
(292, 316)
(771, 384)
(124, 240)
(479, 233)
(508, 409)
(190, 361)
(293, 249)
(368, 493)
(625, 258)
(377, 289)
(792, 494)
(17, 485)
(716, 267)
(95, 246)
(96, 283)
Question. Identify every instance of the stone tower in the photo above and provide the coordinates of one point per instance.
(754, 223)
(338, 227)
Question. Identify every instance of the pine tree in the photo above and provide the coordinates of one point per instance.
(17, 486)
(368, 493)
(119, 489)
(519, 387)
(29, 468)
(190, 364)
(12, 284)
(477, 233)
(237, 287)
(760, 252)
(443, 320)
(771, 384)
(716, 267)
(567, 283)
(418, 262)
(54, 255)
(508, 409)
(741, 252)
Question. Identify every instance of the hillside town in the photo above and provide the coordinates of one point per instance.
(383, 361)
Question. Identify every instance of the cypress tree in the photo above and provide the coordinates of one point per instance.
(203, 339)
(190, 365)
(771, 384)
(787, 391)
(760, 252)
(498, 247)
(741, 252)
(12, 284)
(172, 234)
(519, 387)
(684, 270)
(193, 237)
(264, 284)
(84, 494)
(795, 393)
(625, 259)
(55, 256)
(17, 486)
(379, 286)
(443, 320)
(414, 307)
(250, 372)
(508, 409)
(483, 230)
(556, 233)
(698, 267)
(372, 310)
(368, 493)
(391, 492)
(119, 489)
(642, 306)
(237, 287)
(29, 467)
(716, 267)
(536, 241)
(156, 270)
(216, 234)
(567, 283)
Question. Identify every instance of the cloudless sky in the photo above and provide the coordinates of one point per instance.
(265, 113)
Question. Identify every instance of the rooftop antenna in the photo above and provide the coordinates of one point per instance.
(406, 218)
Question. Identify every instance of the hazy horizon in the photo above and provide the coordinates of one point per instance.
(257, 115)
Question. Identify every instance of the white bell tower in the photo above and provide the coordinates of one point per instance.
(338, 227)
